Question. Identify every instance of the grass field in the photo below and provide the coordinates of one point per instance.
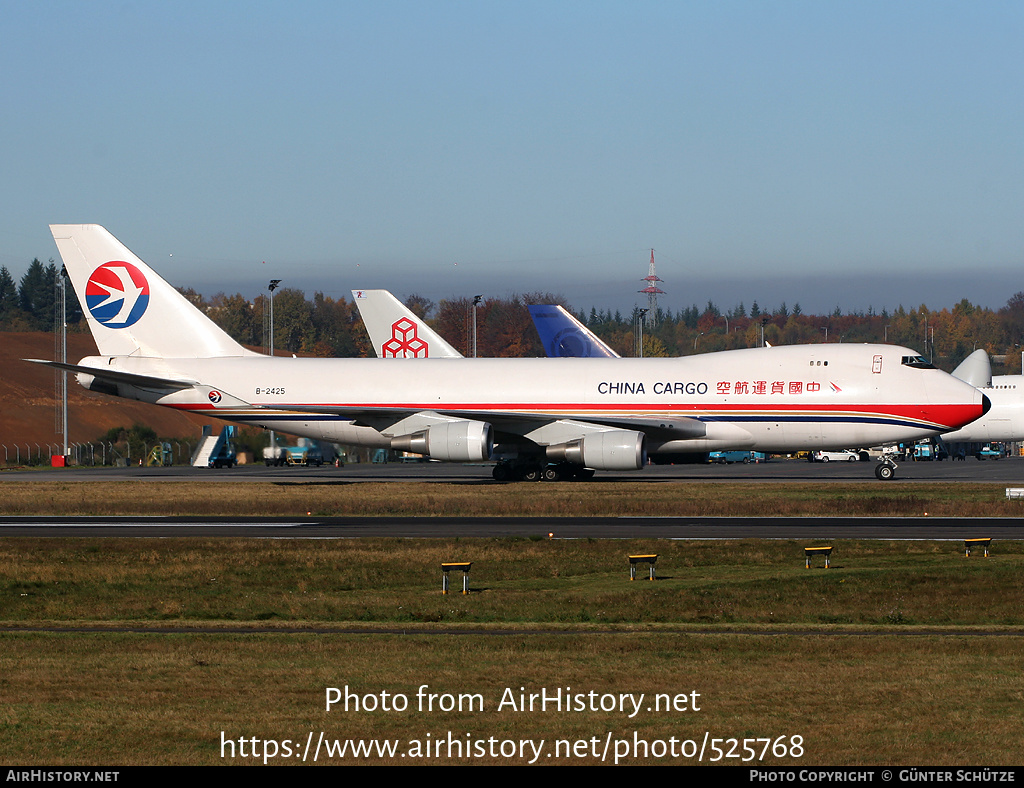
(144, 699)
(485, 499)
(904, 653)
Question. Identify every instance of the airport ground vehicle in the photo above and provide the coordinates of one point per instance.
(926, 450)
(215, 450)
(305, 452)
(836, 456)
(991, 451)
(737, 456)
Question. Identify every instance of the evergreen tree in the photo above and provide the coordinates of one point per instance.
(9, 301)
(36, 294)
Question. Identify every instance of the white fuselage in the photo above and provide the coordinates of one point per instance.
(767, 399)
(1005, 420)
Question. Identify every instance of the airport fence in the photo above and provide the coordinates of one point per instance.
(94, 454)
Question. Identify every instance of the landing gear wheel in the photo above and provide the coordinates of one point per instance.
(885, 472)
(552, 474)
(530, 473)
(501, 472)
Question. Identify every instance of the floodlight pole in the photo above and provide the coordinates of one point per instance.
(476, 303)
(62, 280)
(638, 336)
(274, 284)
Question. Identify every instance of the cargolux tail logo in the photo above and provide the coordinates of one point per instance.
(117, 294)
(404, 342)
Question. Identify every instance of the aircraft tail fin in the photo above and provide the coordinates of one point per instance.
(976, 369)
(563, 336)
(130, 309)
(395, 332)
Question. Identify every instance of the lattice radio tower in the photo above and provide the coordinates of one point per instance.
(652, 291)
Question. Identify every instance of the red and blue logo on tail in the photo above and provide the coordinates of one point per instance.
(117, 294)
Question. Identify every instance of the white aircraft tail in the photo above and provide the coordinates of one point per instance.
(395, 332)
(130, 309)
(976, 369)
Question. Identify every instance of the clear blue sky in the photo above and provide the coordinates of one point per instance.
(830, 153)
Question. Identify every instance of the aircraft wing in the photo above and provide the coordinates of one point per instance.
(541, 428)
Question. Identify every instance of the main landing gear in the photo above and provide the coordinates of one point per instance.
(526, 471)
(885, 470)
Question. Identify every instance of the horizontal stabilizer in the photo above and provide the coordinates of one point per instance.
(117, 376)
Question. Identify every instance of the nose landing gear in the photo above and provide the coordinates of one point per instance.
(885, 470)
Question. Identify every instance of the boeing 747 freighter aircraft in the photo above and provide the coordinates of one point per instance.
(563, 416)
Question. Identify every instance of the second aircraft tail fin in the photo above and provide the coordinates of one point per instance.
(395, 331)
(564, 336)
(976, 369)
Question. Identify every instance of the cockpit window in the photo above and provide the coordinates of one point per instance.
(918, 362)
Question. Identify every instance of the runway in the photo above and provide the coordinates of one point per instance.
(1009, 471)
(522, 527)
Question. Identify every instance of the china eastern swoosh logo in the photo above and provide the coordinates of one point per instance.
(117, 294)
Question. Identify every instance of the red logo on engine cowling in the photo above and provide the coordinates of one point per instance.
(404, 342)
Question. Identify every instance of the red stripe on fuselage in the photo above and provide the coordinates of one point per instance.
(951, 416)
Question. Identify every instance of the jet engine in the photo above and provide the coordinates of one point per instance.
(612, 450)
(451, 441)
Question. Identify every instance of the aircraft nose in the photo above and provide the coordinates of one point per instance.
(986, 404)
